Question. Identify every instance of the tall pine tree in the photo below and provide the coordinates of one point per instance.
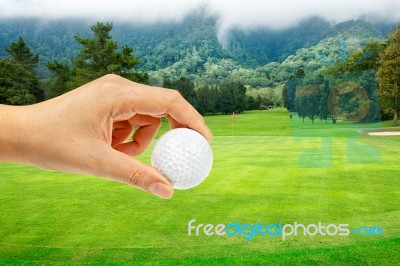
(19, 84)
(21, 54)
(99, 56)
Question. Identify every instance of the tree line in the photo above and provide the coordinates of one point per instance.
(19, 83)
(350, 96)
(362, 89)
(225, 98)
(348, 90)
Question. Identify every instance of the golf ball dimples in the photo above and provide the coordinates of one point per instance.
(183, 156)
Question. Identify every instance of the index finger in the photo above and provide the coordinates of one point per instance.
(157, 101)
(171, 104)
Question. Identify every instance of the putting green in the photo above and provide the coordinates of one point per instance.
(267, 169)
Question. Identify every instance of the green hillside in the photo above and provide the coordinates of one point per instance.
(257, 58)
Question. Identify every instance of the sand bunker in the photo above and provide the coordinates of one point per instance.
(384, 133)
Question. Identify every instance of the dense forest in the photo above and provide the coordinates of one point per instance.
(190, 48)
(256, 66)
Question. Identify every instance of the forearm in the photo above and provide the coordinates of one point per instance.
(12, 133)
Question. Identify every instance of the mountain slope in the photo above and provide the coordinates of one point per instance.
(258, 57)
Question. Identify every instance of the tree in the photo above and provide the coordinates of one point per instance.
(301, 107)
(215, 94)
(250, 103)
(258, 101)
(285, 97)
(20, 75)
(61, 75)
(365, 59)
(239, 95)
(289, 94)
(21, 54)
(18, 86)
(313, 103)
(389, 77)
(267, 96)
(167, 83)
(368, 80)
(333, 106)
(204, 100)
(308, 100)
(225, 99)
(300, 73)
(323, 104)
(186, 88)
(99, 56)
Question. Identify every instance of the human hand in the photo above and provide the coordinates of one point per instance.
(85, 131)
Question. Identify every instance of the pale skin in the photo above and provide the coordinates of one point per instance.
(86, 131)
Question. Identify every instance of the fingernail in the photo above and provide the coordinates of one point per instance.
(162, 190)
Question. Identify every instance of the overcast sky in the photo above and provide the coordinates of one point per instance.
(244, 14)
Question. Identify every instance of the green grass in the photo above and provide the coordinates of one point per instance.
(266, 168)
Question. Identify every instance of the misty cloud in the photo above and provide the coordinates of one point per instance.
(242, 14)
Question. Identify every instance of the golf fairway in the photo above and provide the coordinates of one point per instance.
(259, 174)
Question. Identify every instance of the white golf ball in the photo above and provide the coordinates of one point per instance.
(183, 156)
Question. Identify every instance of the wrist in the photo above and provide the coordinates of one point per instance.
(13, 133)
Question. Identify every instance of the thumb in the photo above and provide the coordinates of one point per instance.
(121, 167)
